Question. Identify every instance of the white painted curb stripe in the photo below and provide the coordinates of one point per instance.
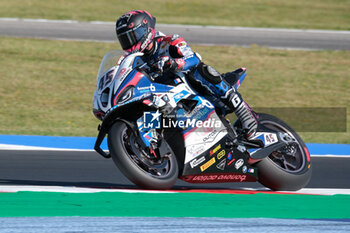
(19, 147)
(10, 188)
(30, 188)
(324, 191)
(330, 156)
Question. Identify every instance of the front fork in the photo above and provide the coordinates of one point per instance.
(150, 138)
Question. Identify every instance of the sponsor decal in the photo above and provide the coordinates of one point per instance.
(143, 89)
(241, 178)
(160, 100)
(179, 96)
(123, 73)
(186, 52)
(196, 162)
(196, 150)
(165, 98)
(241, 148)
(219, 178)
(143, 96)
(229, 156)
(221, 165)
(181, 44)
(210, 136)
(199, 112)
(213, 151)
(229, 163)
(147, 41)
(195, 110)
(174, 37)
(270, 138)
(221, 154)
(236, 100)
(244, 169)
(106, 79)
(207, 164)
(206, 102)
(239, 163)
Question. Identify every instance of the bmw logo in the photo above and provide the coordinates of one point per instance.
(244, 169)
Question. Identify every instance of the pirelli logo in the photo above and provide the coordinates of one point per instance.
(207, 164)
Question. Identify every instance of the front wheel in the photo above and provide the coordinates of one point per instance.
(134, 163)
(287, 169)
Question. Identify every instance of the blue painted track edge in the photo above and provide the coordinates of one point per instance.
(87, 143)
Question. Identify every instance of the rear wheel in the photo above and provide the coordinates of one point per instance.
(288, 168)
(136, 164)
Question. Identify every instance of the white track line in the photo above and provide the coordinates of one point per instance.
(20, 147)
(30, 188)
(331, 156)
(12, 189)
(324, 191)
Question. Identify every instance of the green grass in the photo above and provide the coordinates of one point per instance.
(28, 204)
(47, 86)
(315, 14)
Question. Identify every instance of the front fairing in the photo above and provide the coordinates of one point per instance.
(111, 76)
(105, 79)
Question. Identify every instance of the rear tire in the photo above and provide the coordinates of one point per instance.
(282, 172)
(133, 163)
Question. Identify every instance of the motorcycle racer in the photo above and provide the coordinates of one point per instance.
(170, 53)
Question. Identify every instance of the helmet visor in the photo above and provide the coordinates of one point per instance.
(133, 36)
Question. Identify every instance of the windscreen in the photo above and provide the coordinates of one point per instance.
(108, 61)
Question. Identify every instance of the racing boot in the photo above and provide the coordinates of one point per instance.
(209, 81)
(244, 114)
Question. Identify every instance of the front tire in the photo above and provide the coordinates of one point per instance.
(280, 171)
(135, 165)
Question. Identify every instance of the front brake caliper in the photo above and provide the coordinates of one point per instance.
(150, 138)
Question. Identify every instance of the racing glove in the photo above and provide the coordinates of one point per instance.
(165, 64)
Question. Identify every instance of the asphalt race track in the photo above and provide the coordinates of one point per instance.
(105, 31)
(88, 169)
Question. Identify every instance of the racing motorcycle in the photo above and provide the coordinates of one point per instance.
(159, 132)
